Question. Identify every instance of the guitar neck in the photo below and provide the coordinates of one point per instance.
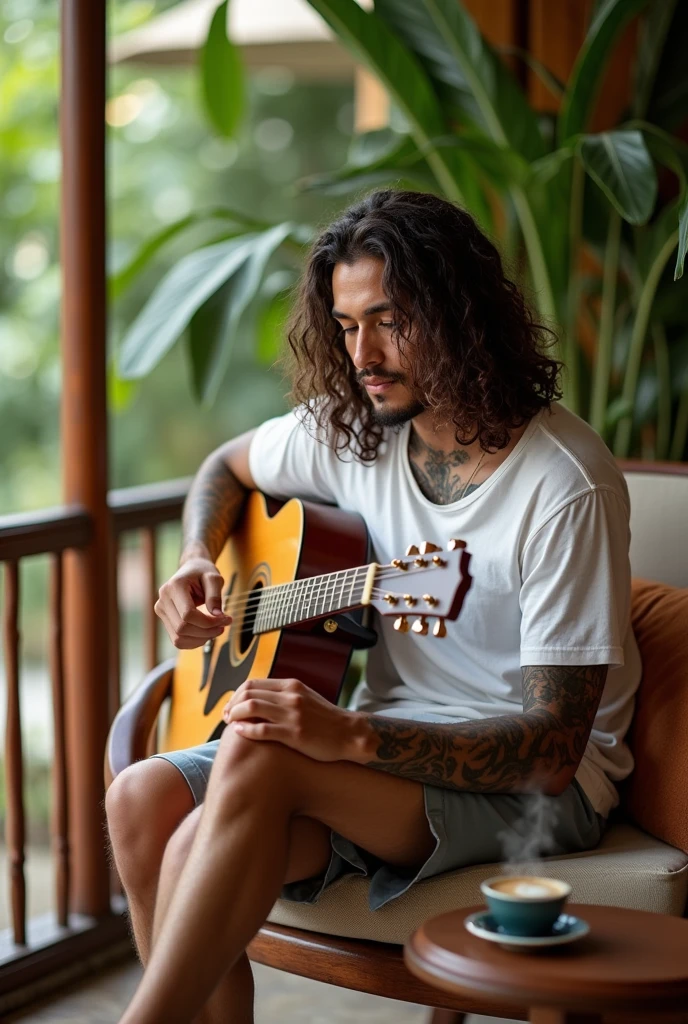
(288, 604)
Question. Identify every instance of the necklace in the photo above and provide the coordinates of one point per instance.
(470, 479)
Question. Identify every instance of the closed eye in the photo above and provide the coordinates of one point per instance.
(384, 323)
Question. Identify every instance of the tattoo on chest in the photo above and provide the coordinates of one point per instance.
(438, 473)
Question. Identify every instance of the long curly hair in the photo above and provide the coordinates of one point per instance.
(475, 354)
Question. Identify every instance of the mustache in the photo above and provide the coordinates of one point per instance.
(384, 376)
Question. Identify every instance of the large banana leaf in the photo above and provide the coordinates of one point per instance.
(126, 275)
(401, 158)
(214, 329)
(451, 45)
(412, 24)
(186, 288)
(592, 61)
(447, 36)
(374, 158)
(374, 44)
(222, 77)
(619, 162)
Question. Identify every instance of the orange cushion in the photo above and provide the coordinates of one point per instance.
(656, 793)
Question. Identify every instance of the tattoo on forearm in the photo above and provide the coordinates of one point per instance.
(509, 753)
(212, 506)
(436, 471)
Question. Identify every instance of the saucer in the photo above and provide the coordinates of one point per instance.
(565, 929)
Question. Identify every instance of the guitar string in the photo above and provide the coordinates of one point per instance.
(279, 608)
(250, 620)
(281, 589)
(313, 600)
(252, 606)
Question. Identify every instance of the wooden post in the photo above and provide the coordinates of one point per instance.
(84, 441)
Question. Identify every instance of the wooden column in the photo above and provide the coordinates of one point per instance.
(84, 440)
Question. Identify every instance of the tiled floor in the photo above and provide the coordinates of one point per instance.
(280, 999)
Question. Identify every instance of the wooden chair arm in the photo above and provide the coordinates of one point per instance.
(133, 722)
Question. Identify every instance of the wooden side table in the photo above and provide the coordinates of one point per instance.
(631, 960)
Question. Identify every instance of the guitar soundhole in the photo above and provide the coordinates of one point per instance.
(246, 635)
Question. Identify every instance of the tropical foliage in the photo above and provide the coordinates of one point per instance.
(165, 164)
(576, 212)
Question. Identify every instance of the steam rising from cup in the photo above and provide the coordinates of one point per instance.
(531, 837)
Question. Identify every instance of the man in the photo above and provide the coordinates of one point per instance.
(425, 400)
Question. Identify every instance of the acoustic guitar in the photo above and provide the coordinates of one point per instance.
(298, 584)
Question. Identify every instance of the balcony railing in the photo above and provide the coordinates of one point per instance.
(30, 950)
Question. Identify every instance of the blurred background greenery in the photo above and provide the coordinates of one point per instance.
(164, 160)
(586, 198)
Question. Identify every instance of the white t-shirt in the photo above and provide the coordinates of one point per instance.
(548, 533)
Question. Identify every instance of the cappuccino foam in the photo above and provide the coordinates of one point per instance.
(527, 888)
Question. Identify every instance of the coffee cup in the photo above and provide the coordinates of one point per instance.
(525, 904)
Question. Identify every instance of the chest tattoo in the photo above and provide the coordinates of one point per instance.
(438, 473)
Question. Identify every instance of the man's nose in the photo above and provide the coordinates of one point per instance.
(367, 351)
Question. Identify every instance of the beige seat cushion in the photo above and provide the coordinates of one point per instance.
(628, 869)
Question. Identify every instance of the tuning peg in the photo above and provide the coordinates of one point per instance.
(398, 564)
(420, 562)
(420, 626)
(436, 560)
(454, 544)
(410, 600)
(412, 550)
(427, 548)
(401, 624)
(430, 600)
(391, 599)
(439, 629)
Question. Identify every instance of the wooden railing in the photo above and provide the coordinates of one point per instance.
(56, 532)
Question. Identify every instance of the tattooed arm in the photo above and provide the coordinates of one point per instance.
(211, 510)
(539, 749)
(215, 499)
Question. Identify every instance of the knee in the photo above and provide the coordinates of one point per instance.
(249, 769)
(237, 753)
(144, 805)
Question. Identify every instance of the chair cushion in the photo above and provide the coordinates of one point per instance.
(655, 796)
(628, 869)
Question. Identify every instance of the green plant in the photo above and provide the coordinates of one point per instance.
(560, 191)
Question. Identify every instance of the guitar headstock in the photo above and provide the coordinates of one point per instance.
(429, 582)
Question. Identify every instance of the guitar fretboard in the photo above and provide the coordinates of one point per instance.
(310, 598)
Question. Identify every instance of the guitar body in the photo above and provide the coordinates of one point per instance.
(273, 544)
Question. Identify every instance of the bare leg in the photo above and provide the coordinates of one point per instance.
(152, 823)
(238, 860)
(309, 855)
(145, 805)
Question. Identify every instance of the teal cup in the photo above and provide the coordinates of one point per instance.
(525, 904)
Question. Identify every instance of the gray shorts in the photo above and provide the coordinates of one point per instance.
(469, 828)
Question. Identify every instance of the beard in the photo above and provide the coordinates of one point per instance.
(390, 416)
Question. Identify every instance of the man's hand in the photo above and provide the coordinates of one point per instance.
(289, 712)
(196, 582)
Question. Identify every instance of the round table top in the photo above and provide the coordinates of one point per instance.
(630, 958)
